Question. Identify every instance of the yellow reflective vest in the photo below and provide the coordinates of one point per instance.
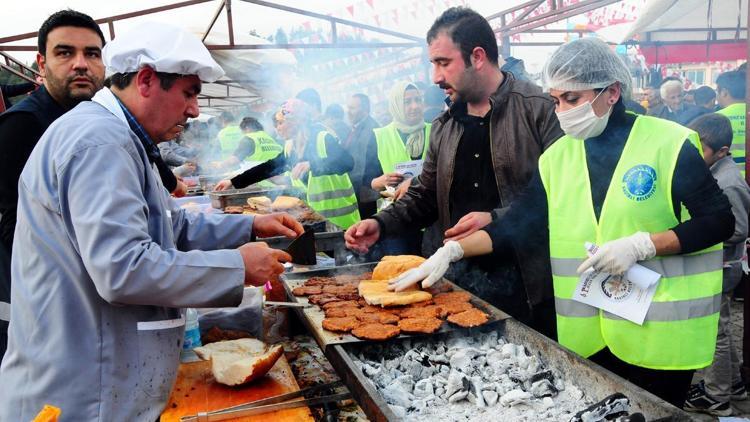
(391, 148)
(229, 138)
(331, 195)
(266, 148)
(736, 115)
(680, 328)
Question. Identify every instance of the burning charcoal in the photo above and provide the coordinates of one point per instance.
(428, 371)
(476, 390)
(419, 405)
(439, 391)
(412, 368)
(439, 358)
(611, 406)
(423, 388)
(455, 383)
(445, 370)
(515, 397)
(461, 360)
(490, 397)
(461, 395)
(548, 403)
(480, 361)
(396, 394)
(406, 381)
(543, 388)
(399, 411)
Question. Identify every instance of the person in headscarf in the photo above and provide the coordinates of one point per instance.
(404, 140)
(314, 162)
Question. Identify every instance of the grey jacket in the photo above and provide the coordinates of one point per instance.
(730, 180)
(103, 261)
(523, 125)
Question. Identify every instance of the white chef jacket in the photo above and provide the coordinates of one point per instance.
(103, 260)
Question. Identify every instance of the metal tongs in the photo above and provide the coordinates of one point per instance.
(271, 404)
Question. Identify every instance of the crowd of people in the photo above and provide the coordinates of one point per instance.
(501, 184)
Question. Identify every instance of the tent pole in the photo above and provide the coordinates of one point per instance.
(746, 314)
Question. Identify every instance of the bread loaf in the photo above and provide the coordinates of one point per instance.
(393, 266)
(236, 362)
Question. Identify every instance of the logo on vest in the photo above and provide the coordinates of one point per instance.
(639, 183)
(616, 287)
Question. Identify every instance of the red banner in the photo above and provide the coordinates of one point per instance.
(694, 53)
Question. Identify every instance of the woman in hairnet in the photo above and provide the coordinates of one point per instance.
(314, 161)
(637, 187)
(405, 139)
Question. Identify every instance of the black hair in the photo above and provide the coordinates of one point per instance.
(704, 94)
(251, 123)
(468, 30)
(734, 82)
(335, 111)
(122, 80)
(311, 97)
(364, 101)
(67, 17)
(714, 130)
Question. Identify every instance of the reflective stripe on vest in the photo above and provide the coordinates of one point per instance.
(391, 148)
(668, 266)
(736, 115)
(266, 148)
(332, 195)
(677, 310)
(681, 325)
(229, 138)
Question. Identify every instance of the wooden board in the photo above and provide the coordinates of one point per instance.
(196, 391)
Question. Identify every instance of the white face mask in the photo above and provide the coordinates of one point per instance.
(580, 122)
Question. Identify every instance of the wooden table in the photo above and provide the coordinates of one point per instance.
(196, 391)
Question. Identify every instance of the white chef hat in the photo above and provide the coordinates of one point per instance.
(164, 48)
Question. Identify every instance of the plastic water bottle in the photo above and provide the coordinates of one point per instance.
(192, 331)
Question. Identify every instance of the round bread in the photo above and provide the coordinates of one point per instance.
(393, 266)
(376, 331)
(420, 325)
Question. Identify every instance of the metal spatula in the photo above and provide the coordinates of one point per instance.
(302, 249)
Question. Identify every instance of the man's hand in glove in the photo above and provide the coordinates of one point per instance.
(617, 256)
(431, 270)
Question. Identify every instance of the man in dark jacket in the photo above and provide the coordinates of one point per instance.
(361, 135)
(674, 107)
(70, 61)
(483, 151)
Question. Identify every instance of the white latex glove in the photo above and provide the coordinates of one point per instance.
(617, 256)
(431, 270)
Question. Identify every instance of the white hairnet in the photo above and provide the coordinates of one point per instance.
(164, 48)
(583, 64)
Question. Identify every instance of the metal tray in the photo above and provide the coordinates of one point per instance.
(313, 316)
(230, 197)
(595, 381)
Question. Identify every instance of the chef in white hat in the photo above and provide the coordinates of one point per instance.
(105, 260)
